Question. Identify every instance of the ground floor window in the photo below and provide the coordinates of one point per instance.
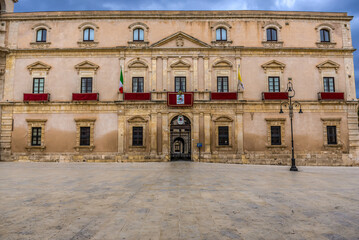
(36, 136)
(85, 133)
(137, 136)
(332, 134)
(276, 138)
(85, 129)
(223, 138)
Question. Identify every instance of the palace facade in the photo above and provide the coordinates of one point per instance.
(182, 97)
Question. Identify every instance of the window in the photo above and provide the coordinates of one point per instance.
(223, 138)
(180, 84)
(138, 34)
(221, 34)
(36, 136)
(86, 85)
(271, 34)
(275, 135)
(324, 35)
(41, 35)
(332, 135)
(85, 133)
(329, 84)
(273, 84)
(222, 84)
(89, 34)
(38, 85)
(137, 85)
(137, 136)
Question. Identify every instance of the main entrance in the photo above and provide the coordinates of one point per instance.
(180, 138)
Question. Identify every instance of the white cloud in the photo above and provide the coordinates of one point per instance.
(284, 3)
(113, 6)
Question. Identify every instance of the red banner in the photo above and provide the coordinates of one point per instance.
(85, 96)
(224, 96)
(275, 96)
(137, 96)
(331, 96)
(175, 100)
(40, 97)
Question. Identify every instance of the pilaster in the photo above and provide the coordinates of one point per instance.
(207, 75)
(153, 134)
(195, 73)
(195, 135)
(164, 74)
(153, 74)
(121, 132)
(207, 133)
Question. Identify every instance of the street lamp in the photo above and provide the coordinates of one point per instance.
(291, 105)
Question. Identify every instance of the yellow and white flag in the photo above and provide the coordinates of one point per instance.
(240, 82)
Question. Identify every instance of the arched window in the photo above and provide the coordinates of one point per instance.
(221, 34)
(89, 34)
(41, 35)
(138, 34)
(272, 34)
(324, 35)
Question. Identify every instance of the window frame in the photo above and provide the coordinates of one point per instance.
(36, 124)
(327, 84)
(276, 136)
(137, 136)
(36, 136)
(85, 136)
(138, 31)
(271, 30)
(85, 122)
(136, 82)
(37, 81)
(88, 37)
(220, 83)
(182, 81)
(332, 138)
(323, 36)
(274, 80)
(43, 37)
(221, 30)
(85, 86)
(276, 122)
(223, 135)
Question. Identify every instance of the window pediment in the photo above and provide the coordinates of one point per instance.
(137, 64)
(223, 119)
(137, 119)
(88, 24)
(324, 25)
(274, 64)
(38, 66)
(180, 39)
(180, 64)
(86, 65)
(328, 65)
(223, 64)
(221, 24)
(138, 24)
(41, 25)
(272, 24)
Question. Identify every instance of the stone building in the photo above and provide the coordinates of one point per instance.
(182, 98)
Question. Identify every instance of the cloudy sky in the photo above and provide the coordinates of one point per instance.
(350, 6)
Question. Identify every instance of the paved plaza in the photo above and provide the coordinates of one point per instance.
(177, 200)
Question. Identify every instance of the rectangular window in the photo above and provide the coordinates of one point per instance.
(38, 85)
(223, 138)
(86, 85)
(332, 134)
(137, 85)
(36, 136)
(273, 84)
(275, 135)
(222, 84)
(85, 136)
(137, 136)
(180, 84)
(329, 84)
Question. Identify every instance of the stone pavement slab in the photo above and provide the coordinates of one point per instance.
(177, 200)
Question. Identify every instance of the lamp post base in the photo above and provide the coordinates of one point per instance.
(293, 167)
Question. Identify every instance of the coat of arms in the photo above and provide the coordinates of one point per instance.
(180, 98)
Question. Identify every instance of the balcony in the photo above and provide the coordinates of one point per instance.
(323, 96)
(36, 97)
(85, 97)
(224, 96)
(137, 96)
(274, 96)
(184, 100)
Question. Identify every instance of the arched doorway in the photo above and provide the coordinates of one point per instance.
(180, 139)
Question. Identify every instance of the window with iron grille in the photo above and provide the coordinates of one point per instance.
(332, 134)
(273, 84)
(86, 85)
(271, 34)
(38, 85)
(137, 136)
(221, 34)
(222, 84)
(41, 35)
(36, 136)
(89, 34)
(223, 138)
(137, 85)
(138, 34)
(180, 84)
(329, 84)
(275, 135)
(324, 35)
(85, 136)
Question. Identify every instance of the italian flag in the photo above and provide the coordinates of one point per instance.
(121, 82)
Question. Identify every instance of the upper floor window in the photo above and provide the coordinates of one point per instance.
(137, 85)
(273, 84)
(138, 34)
(276, 138)
(221, 34)
(89, 34)
(41, 35)
(272, 34)
(324, 35)
(180, 84)
(38, 85)
(329, 84)
(222, 84)
(86, 85)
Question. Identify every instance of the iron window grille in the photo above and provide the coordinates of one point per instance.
(36, 136)
(222, 84)
(276, 135)
(137, 136)
(85, 136)
(223, 138)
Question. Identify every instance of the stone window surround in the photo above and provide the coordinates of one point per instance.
(224, 121)
(137, 121)
(35, 123)
(224, 68)
(87, 44)
(38, 70)
(180, 68)
(137, 68)
(326, 70)
(85, 122)
(227, 27)
(272, 44)
(87, 69)
(41, 45)
(274, 69)
(331, 122)
(145, 29)
(276, 122)
(331, 29)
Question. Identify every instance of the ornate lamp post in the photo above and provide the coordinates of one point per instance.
(291, 105)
